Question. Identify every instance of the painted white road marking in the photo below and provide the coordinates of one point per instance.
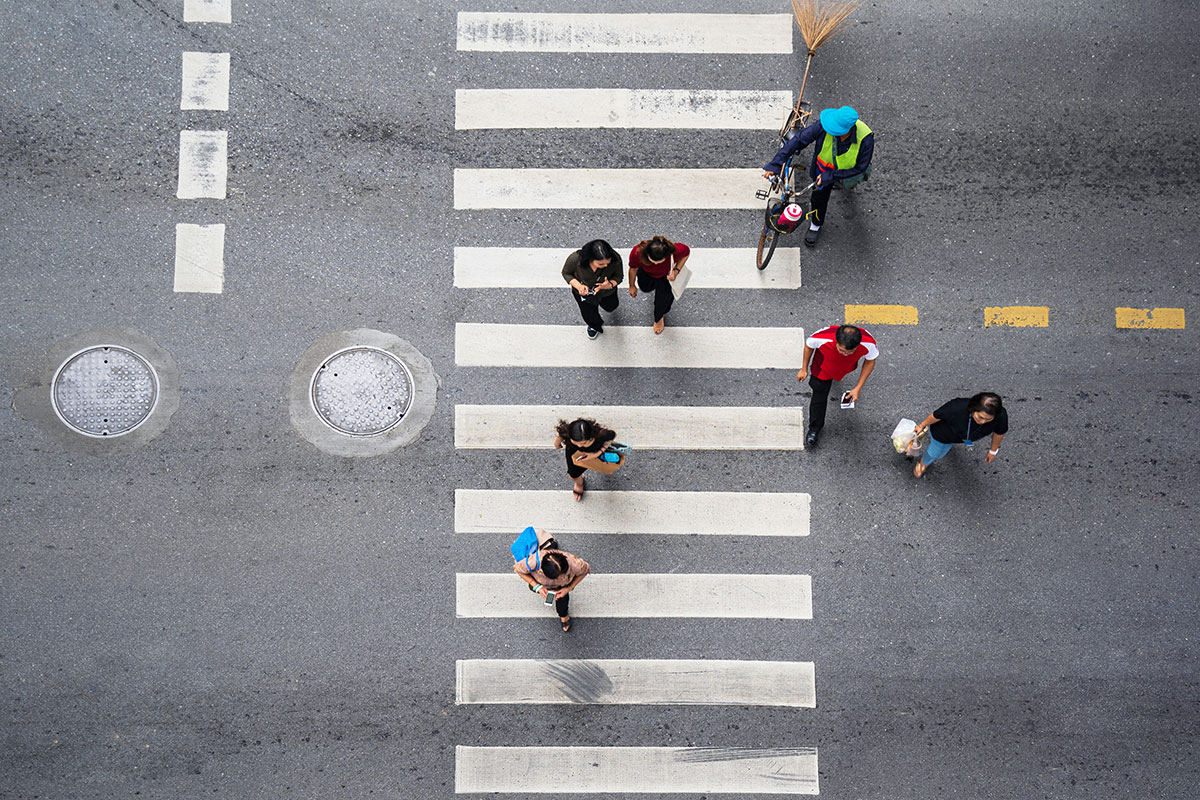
(203, 164)
(654, 682)
(506, 345)
(659, 513)
(205, 81)
(541, 268)
(200, 258)
(645, 427)
(643, 595)
(207, 11)
(620, 108)
(607, 188)
(624, 33)
(684, 770)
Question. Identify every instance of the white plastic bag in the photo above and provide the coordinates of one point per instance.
(905, 440)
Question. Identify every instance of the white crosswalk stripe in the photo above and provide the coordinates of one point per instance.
(506, 345)
(644, 595)
(648, 681)
(205, 82)
(618, 108)
(203, 164)
(624, 33)
(607, 188)
(686, 770)
(200, 258)
(644, 427)
(656, 513)
(541, 268)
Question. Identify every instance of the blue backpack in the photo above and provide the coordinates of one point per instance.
(525, 546)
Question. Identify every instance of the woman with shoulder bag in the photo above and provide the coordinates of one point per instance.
(585, 442)
(653, 265)
(557, 571)
(962, 420)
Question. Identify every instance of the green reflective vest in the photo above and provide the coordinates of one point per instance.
(829, 158)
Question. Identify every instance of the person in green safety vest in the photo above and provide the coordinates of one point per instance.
(842, 158)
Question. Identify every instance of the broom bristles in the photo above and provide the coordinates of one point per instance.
(819, 21)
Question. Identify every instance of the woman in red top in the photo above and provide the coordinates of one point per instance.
(653, 264)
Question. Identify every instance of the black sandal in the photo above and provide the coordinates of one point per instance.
(566, 625)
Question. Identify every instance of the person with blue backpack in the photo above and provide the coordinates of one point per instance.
(548, 571)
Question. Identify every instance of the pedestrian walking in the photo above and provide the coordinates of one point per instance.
(653, 265)
(841, 159)
(594, 272)
(963, 420)
(584, 441)
(835, 352)
(553, 574)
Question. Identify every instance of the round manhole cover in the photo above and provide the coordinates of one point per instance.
(362, 391)
(104, 391)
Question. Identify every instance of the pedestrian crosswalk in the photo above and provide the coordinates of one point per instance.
(660, 593)
(636, 681)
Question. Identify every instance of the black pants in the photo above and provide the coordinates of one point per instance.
(820, 400)
(820, 201)
(591, 311)
(561, 604)
(663, 296)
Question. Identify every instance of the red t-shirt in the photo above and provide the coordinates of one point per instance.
(830, 365)
(658, 270)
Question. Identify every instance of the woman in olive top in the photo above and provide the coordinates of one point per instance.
(555, 571)
(653, 264)
(966, 421)
(594, 272)
(584, 440)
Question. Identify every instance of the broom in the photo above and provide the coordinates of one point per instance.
(818, 21)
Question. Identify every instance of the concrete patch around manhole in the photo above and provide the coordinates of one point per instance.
(361, 393)
(105, 392)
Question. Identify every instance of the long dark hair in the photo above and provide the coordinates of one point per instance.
(554, 564)
(987, 402)
(596, 250)
(656, 248)
(585, 428)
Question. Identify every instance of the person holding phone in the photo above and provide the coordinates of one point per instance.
(556, 575)
(963, 421)
(584, 441)
(835, 352)
(594, 272)
(653, 265)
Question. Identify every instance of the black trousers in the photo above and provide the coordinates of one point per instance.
(819, 403)
(820, 201)
(591, 311)
(562, 604)
(663, 296)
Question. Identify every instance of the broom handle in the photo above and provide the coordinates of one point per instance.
(804, 80)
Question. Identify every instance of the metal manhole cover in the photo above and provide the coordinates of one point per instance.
(362, 391)
(104, 391)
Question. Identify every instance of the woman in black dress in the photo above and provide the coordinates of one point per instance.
(584, 441)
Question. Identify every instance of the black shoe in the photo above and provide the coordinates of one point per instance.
(593, 333)
(810, 441)
(811, 236)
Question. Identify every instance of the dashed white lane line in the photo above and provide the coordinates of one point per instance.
(643, 595)
(619, 108)
(541, 268)
(207, 11)
(205, 82)
(607, 188)
(645, 427)
(645, 681)
(203, 164)
(685, 770)
(624, 33)
(659, 513)
(507, 345)
(200, 258)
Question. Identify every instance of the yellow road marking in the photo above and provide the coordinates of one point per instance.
(1162, 318)
(1017, 316)
(881, 315)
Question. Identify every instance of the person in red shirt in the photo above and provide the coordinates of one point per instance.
(835, 352)
(653, 264)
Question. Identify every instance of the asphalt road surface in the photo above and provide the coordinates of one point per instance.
(229, 611)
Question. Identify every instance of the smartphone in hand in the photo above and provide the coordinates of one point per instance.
(550, 597)
(847, 401)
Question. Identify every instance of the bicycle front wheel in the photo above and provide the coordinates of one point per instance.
(766, 246)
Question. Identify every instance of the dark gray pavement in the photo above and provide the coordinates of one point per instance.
(230, 612)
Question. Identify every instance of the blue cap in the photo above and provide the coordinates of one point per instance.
(837, 121)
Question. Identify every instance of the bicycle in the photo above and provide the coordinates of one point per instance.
(782, 192)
